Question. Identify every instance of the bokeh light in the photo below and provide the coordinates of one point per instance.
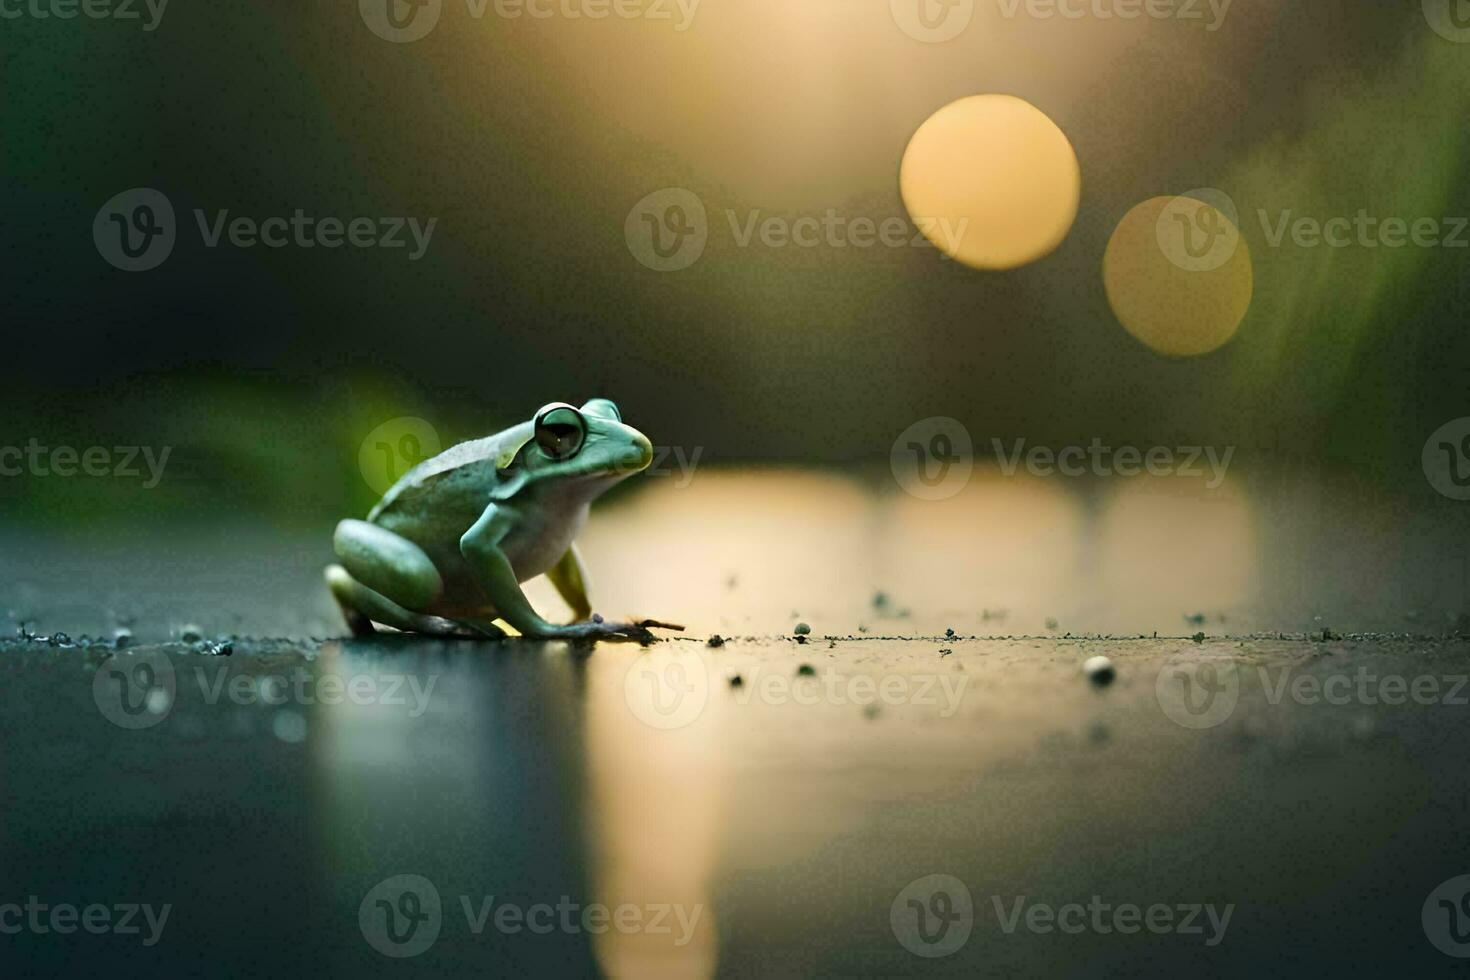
(992, 181)
(1178, 275)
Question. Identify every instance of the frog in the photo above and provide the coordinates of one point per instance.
(446, 549)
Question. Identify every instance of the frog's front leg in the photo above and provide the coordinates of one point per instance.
(481, 548)
(569, 576)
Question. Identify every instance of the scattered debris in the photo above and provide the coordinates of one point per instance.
(944, 652)
(222, 648)
(716, 641)
(806, 670)
(59, 640)
(1198, 638)
(802, 629)
(1100, 671)
(949, 634)
(737, 681)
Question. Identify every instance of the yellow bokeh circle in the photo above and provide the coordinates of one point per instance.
(1179, 303)
(991, 181)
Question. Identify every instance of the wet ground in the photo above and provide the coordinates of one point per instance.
(1275, 783)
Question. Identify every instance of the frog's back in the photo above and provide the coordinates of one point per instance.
(461, 477)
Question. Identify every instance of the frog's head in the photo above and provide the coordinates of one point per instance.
(590, 444)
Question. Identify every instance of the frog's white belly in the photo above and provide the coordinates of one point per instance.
(535, 547)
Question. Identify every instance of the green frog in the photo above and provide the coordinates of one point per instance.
(447, 548)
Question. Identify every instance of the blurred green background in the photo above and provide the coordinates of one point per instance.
(529, 140)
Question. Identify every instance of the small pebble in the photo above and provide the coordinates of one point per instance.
(716, 641)
(949, 634)
(806, 670)
(1198, 638)
(737, 681)
(59, 640)
(122, 638)
(802, 629)
(1100, 671)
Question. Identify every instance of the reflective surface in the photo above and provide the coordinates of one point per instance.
(525, 808)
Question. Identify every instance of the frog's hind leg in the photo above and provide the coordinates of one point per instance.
(362, 607)
(388, 564)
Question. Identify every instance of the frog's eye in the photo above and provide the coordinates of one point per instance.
(602, 408)
(560, 431)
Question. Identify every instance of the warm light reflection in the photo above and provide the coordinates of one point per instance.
(1171, 547)
(991, 181)
(657, 806)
